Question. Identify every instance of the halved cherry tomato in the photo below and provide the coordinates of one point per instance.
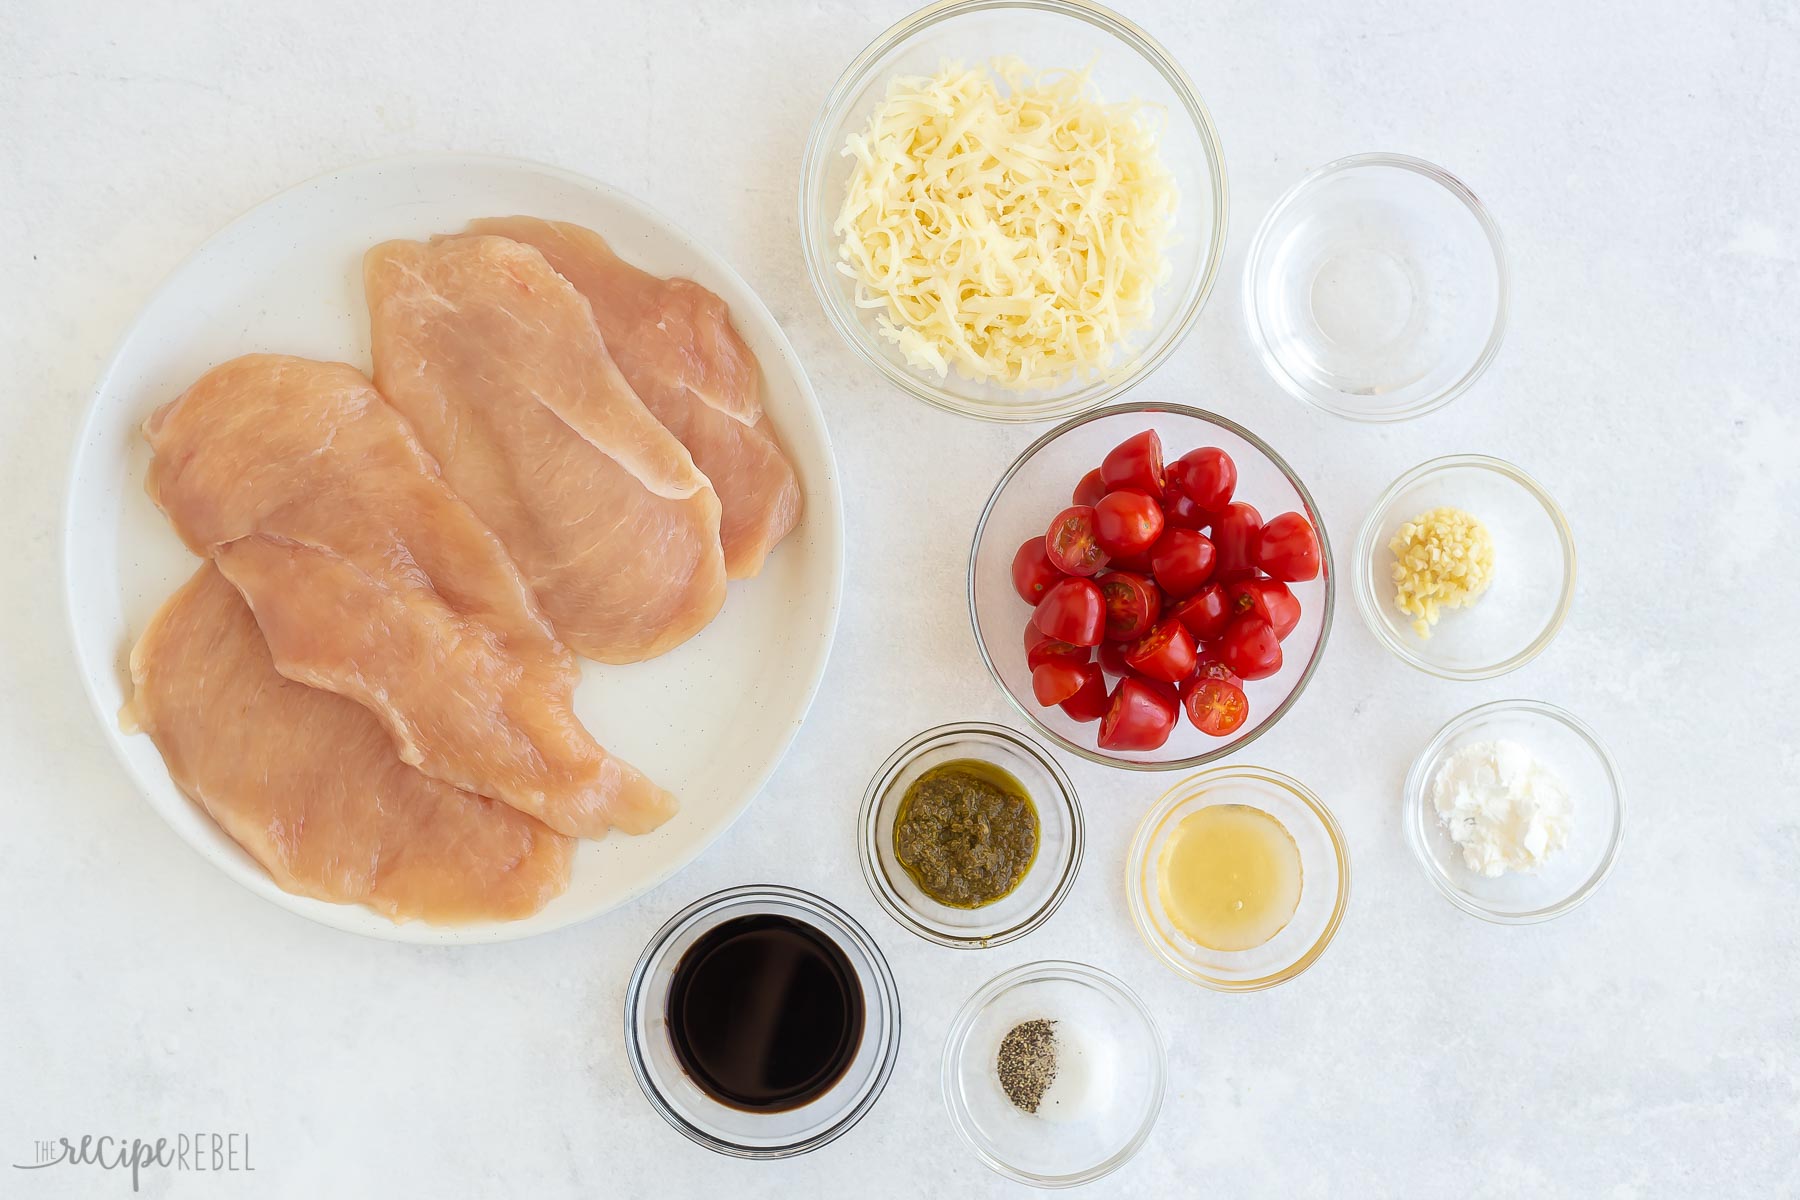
(1112, 658)
(1180, 511)
(1072, 611)
(1140, 716)
(1132, 605)
(1090, 701)
(1127, 523)
(1217, 707)
(1206, 613)
(1183, 561)
(1090, 489)
(1055, 682)
(1167, 652)
(1289, 548)
(1269, 599)
(1071, 545)
(1041, 648)
(1234, 534)
(1251, 648)
(1206, 476)
(1136, 462)
(1032, 571)
(1209, 667)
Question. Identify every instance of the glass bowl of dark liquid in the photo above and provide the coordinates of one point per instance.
(762, 1022)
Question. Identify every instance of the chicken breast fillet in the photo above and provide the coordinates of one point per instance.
(369, 578)
(308, 783)
(496, 361)
(674, 343)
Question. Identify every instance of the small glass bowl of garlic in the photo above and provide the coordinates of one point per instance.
(1465, 567)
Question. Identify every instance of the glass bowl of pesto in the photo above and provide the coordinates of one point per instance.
(947, 846)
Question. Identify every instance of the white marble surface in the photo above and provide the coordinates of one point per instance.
(1641, 160)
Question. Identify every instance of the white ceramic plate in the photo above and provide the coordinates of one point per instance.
(708, 721)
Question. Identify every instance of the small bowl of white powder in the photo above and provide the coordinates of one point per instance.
(1515, 811)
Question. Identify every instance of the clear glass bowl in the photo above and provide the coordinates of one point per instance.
(1127, 63)
(1324, 886)
(1568, 877)
(1046, 884)
(1376, 288)
(734, 1131)
(1125, 1073)
(1038, 486)
(1534, 569)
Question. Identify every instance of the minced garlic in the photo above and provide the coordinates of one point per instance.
(1443, 559)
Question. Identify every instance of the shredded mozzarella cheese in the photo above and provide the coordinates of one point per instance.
(1015, 236)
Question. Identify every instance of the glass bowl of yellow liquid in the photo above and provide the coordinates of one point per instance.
(1238, 878)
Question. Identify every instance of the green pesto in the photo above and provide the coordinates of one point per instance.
(966, 832)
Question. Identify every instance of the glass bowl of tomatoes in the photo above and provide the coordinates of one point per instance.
(1151, 586)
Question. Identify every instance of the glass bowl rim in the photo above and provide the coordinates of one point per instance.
(1032, 972)
(887, 1001)
(1367, 603)
(1327, 572)
(1259, 247)
(1182, 791)
(1413, 803)
(1108, 386)
(910, 918)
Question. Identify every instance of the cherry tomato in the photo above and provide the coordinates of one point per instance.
(1209, 667)
(1206, 613)
(1167, 652)
(1137, 564)
(1072, 611)
(1216, 707)
(1250, 648)
(1055, 682)
(1090, 489)
(1206, 476)
(1127, 523)
(1041, 648)
(1234, 534)
(1090, 701)
(1032, 571)
(1269, 599)
(1112, 658)
(1180, 511)
(1071, 545)
(1288, 548)
(1139, 717)
(1136, 462)
(1132, 605)
(1183, 561)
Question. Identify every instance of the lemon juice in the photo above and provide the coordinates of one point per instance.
(1229, 877)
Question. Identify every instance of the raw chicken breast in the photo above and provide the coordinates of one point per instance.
(674, 344)
(496, 361)
(309, 784)
(370, 579)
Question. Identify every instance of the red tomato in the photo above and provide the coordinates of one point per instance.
(1090, 701)
(1234, 534)
(1032, 571)
(1209, 667)
(1136, 462)
(1206, 613)
(1206, 476)
(1127, 523)
(1167, 652)
(1090, 489)
(1288, 548)
(1072, 611)
(1041, 648)
(1180, 511)
(1137, 564)
(1132, 605)
(1183, 561)
(1071, 545)
(1251, 649)
(1055, 682)
(1217, 707)
(1268, 599)
(1112, 658)
(1140, 716)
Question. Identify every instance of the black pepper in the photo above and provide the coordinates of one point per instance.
(1027, 1062)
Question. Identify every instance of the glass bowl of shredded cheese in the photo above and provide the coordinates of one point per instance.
(1013, 210)
(1465, 567)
